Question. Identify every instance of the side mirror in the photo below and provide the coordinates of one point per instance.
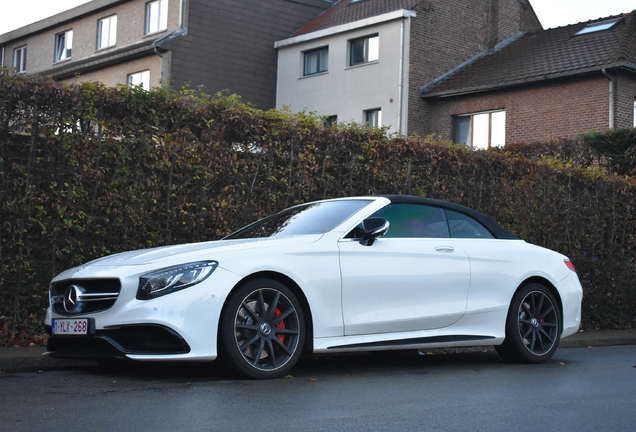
(373, 228)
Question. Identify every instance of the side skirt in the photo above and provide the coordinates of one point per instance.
(413, 341)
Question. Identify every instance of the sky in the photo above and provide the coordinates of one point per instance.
(551, 13)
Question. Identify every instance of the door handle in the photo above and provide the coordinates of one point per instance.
(447, 249)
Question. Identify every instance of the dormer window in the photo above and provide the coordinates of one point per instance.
(598, 26)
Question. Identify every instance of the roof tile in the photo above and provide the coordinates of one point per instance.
(546, 53)
(346, 11)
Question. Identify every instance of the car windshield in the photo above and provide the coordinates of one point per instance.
(314, 218)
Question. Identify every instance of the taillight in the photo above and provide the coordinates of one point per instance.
(569, 264)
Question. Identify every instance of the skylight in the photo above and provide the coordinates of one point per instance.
(598, 26)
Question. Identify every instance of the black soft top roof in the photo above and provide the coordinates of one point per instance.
(490, 224)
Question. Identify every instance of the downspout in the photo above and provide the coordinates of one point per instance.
(2, 57)
(611, 98)
(401, 79)
(408, 15)
(179, 31)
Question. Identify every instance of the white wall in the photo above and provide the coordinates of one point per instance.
(348, 91)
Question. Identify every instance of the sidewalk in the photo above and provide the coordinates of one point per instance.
(30, 359)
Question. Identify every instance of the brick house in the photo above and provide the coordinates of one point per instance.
(550, 84)
(221, 44)
(366, 60)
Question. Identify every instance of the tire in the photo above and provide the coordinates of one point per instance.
(533, 326)
(262, 330)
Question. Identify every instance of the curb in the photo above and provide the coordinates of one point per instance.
(32, 359)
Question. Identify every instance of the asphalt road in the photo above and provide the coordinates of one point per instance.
(579, 389)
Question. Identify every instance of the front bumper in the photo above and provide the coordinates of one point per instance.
(179, 326)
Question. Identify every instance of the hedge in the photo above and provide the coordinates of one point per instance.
(88, 170)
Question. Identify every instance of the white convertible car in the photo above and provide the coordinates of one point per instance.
(350, 274)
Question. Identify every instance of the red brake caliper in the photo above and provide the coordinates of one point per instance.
(281, 324)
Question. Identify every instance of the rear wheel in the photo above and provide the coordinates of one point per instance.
(533, 326)
(262, 329)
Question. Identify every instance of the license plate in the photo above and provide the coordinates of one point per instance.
(75, 326)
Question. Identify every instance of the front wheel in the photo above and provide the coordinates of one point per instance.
(533, 326)
(262, 329)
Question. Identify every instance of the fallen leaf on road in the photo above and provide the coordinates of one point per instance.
(288, 376)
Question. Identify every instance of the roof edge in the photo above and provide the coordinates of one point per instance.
(354, 25)
(437, 81)
(505, 84)
(88, 64)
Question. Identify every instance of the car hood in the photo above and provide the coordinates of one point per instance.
(194, 251)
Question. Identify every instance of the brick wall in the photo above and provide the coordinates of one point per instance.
(562, 109)
(446, 33)
(625, 88)
(516, 16)
(118, 74)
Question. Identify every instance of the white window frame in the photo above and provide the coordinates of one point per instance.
(370, 50)
(141, 78)
(19, 59)
(107, 32)
(63, 45)
(486, 129)
(156, 16)
(373, 117)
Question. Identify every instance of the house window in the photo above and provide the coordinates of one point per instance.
(141, 79)
(316, 61)
(373, 118)
(19, 59)
(63, 45)
(107, 32)
(156, 16)
(481, 130)
(331, 120)
(598, 26)
(364, 50)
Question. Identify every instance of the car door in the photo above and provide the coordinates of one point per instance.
(413, 278)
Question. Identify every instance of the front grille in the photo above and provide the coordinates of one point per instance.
(89, 295)
(133, 339)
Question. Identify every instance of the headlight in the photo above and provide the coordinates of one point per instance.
(171, 279)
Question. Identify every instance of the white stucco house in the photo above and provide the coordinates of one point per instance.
(328, 71)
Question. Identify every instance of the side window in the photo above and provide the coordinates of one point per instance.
(19, 59)
(364, 50)
(462, 226)
(412, 220)
(63, 45)
(107, 32)
(316, 61)
(156, 16)
(141, 79)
